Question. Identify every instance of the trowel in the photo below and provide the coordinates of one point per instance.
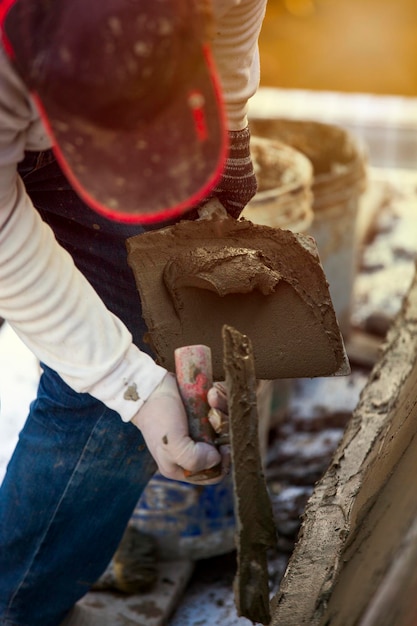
(195, 276)
(258, 299)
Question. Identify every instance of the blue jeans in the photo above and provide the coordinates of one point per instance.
(70, 489)
(78, 470)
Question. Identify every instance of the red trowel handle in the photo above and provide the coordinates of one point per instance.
(194, 378)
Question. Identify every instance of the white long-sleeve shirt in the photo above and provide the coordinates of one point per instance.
(43, 296)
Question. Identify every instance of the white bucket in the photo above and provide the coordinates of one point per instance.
(338, 182)
(284, 198)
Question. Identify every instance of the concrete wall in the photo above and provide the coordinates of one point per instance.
(359, 525)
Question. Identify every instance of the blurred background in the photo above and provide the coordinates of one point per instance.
(367, 46)
(352, 63)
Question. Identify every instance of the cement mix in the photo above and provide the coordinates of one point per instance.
(195, 277)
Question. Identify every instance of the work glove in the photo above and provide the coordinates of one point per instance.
(163, 422)
(238, 185)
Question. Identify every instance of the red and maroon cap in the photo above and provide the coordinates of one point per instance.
(129, 93)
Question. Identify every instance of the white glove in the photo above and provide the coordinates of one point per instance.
(163, 423)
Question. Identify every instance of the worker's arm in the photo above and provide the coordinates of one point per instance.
(60, 317)
(235, 46)
(48, 302)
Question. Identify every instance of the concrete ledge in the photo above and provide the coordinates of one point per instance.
(102, 608)
(360, 521)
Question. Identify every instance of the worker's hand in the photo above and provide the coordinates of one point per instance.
(219, 416)
(163, 423)
(238, 183)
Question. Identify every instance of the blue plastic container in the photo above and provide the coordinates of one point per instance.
(188, 521)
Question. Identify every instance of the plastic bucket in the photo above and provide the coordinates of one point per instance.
(284, 198)
(187, 521)
(338, 182)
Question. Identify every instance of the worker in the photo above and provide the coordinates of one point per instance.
(116, 117)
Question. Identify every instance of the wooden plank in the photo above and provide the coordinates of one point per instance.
(153, 608)
(256, 531)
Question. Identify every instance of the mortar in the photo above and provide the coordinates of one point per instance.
(267, 283)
